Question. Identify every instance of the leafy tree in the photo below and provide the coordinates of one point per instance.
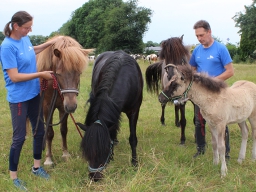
(246, 22)
(109, 25)
(233, 50)
(37, 39)
(1, 37)
(216, 39)
(151, 44)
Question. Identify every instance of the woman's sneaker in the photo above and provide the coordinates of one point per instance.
(20, 184)
(40, 172)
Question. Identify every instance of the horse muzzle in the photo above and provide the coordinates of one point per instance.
(70, 102)
(162, 99)
(95, 176)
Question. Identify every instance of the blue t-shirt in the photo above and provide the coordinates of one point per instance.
(210, 60)
(19, 54)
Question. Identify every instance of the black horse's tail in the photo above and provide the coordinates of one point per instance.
(153, 76)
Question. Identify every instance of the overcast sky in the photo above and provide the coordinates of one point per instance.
(171, 18)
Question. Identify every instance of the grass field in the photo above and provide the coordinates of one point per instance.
(164, 165)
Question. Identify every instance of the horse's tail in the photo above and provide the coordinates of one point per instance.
(95, 144)
(153, 76)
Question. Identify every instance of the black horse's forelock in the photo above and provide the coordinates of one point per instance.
(91, 151)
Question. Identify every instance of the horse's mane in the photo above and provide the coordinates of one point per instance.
(203, 79)
(72, 54)
(173, 51)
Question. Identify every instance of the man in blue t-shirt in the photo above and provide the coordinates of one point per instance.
(213, 58)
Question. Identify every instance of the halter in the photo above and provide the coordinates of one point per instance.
(62, 91)
(175, 99)
(110, 155)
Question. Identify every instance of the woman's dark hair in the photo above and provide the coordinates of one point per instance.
(20, 18)
(202, 23)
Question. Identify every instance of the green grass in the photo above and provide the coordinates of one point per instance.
(164, 165)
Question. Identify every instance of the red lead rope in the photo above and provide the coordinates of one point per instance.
(44, 86)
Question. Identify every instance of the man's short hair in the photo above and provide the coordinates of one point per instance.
(202, 24)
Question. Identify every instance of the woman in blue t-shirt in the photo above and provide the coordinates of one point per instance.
(18, 59)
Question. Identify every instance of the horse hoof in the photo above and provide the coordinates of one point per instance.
(177, 124)
(135, 163)
(48, 162)
(240, 161)
(66, 156)
(96, 176)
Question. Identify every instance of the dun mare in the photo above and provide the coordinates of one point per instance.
(237, 104)
(173, 51)
(117, 86)
(67, 60)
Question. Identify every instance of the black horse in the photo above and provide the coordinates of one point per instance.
(173, 52)
(117, 86)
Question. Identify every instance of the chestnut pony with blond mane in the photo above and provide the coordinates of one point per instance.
(67, 59)
(220, 105)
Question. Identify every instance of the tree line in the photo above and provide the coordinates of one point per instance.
(115, 24)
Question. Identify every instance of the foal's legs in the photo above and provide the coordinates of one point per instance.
(252, 121)
(244, 131)
(218, 145)
(222, 149)
(214, 134)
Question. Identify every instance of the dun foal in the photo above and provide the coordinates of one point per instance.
(220, 105)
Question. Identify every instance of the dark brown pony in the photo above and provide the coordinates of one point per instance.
(173, 51)
(67, 59)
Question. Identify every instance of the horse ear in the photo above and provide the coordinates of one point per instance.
(181, 37)
(87, 51)
(57, 53)
(182, 77)
(180, 72)
(174, 77)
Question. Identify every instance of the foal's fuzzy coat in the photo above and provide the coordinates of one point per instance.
(220, 105)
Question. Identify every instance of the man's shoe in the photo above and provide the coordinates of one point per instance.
(20, 184)
(40, 172)
(200, 151)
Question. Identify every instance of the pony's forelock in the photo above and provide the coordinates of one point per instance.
(72, 53)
